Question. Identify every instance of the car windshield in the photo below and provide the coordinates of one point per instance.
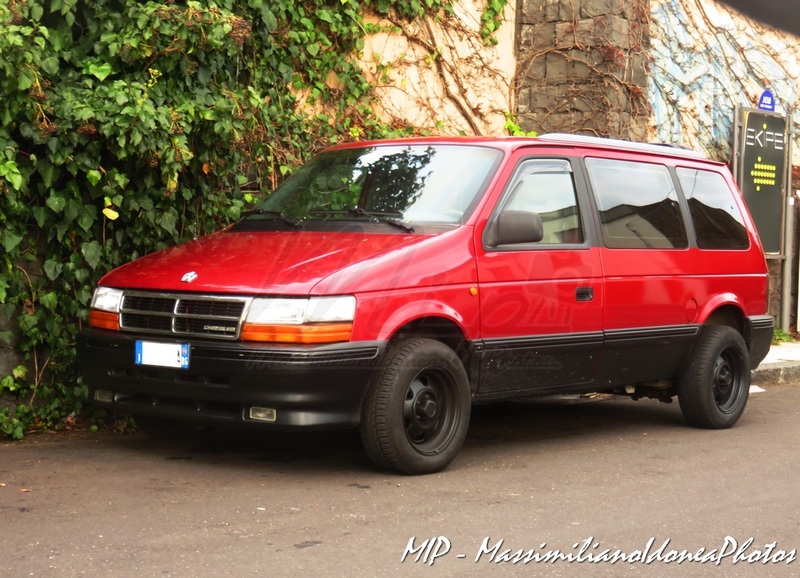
(398, 183)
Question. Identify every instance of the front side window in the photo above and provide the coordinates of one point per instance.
(546, 187)
(638, 205)
(408, 183)
(718, 223)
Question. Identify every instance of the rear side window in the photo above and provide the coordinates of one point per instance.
(718, 223)
(638, 205)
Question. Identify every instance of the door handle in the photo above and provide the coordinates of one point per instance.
(584, 294)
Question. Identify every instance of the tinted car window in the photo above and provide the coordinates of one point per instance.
(414, 183)
(718, 223)
(546, 187)
(638, 205)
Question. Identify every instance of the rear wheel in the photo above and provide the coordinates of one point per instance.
(416, 414)
(715, 385)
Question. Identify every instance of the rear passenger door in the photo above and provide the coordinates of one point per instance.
(650, 299)
(541, 302)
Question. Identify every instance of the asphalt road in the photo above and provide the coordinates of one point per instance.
(574, 479)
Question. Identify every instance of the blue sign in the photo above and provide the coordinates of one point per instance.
(767, 101)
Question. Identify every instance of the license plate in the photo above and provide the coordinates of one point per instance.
(162, 354)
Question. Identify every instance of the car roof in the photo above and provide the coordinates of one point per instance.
(510, 143)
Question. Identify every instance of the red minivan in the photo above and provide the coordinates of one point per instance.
(390, 285)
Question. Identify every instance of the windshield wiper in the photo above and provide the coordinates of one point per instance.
(388, 218)
(278, 216)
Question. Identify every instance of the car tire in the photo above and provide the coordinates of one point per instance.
(416, 414)
(714, 388)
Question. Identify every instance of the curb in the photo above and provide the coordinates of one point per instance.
(776, 373)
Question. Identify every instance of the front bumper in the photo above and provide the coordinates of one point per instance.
(320, 386)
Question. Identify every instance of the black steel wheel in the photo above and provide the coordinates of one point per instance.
(715, 386)
(416, 415)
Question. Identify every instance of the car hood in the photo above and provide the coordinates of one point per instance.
(288, 263)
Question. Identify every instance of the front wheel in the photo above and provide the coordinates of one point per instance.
(416, 414)
(715, 385)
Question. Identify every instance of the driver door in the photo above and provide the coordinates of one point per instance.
(541, 302)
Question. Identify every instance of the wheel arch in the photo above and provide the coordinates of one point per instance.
(439, 328)
(727, 314)
(732, 315)
(443, 329)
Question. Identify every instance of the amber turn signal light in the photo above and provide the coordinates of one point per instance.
(103, 320)
(316, 333)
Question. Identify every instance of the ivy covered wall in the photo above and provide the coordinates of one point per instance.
(128, 126)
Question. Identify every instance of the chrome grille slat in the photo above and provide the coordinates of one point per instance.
(209, 316)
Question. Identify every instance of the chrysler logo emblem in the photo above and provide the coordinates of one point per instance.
(189, 277)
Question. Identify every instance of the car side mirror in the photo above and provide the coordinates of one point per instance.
(514, 227)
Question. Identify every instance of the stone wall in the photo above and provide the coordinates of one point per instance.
(583, 67)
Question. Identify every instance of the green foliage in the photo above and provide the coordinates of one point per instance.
(780, 336)
(491, 20)
(513, 129)
(128, 126)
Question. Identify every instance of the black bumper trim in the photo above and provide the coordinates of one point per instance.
(321, 386)
(760, 329)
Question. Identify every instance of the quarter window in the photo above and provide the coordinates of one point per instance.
(718, 223)
(638, 205)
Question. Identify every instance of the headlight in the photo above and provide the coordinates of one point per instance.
(280, 311)
(104, 313)
(322, 309)
(277, 311)
(107, 299)
(312, 320)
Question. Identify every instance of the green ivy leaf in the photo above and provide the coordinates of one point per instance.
(269, 19)
(100, 71)
(49, 300)
(92, 252)
(48, 172)
(56, 203)
(40, 215)
(56, 40)
(168, 220)
(87, 218)
(15, 179)
(25, 79)
(11, 240)
(52, 269)
(36, 12)
(50, 65)
(72, 210)
(94, 176)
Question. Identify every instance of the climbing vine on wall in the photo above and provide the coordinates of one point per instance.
(128, 126)
(583, 67)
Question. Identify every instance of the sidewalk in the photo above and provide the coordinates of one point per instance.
(782, 365)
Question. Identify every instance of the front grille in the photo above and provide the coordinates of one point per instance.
(166, 314)
(147, 322)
